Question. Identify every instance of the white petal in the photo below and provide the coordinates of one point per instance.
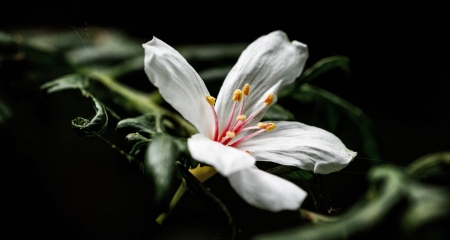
(269, 60)
(179, 84)
(264, 190)
(300, 145)
(226, 160)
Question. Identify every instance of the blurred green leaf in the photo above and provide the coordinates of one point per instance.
(299, 174)
(71, 81)
(101, 46)
(215, 74)
(390, 188)
(7, 44)
(208, 52)
(338, 113)
(95, 126)
(277, 113)
(433, 167)
(159, 163)
(5, 112)
(322, 66)
(212, 202)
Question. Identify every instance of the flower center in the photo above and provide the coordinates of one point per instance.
(238, 125)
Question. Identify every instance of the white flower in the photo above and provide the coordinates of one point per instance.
(230, 136)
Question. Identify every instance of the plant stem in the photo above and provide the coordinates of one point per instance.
(178, 194)
(138, 100)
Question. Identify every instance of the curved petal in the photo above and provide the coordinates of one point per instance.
(269, 60)
(300, 145)
(264, 190)
(226, 160)
(179, 84)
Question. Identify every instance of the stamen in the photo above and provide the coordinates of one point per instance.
(237, 95)
(267, 126)
(211, 101)
(246, 89)
(247, 151)
(269, 99)
(247, 137)
(241, 118)
(231, 134)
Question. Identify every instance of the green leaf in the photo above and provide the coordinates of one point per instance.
(71, 81)
(136, 149)
(432, 167)
(212, 202)
(135, 137)
(159, 163)
(5, 112)
(322, 66)
(7, 44)
(103, 47)
(277, 113)
(390, 189)
(146, 123)
(334, 113)
(208, 52)
(95, 126)
(298, 174)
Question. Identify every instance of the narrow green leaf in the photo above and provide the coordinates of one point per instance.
(71, 81)
(90, 128)
(159, 163)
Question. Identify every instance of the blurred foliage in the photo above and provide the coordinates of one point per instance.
(395, 201)
(107, 67)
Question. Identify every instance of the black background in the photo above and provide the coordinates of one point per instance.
(400, 77)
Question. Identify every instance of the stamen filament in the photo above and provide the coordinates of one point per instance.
(247, 137)
(227, 127)
(253, 115)
(211, 100)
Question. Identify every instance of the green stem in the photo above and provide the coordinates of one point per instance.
(138, 100)
(315, 217)
(178, 194)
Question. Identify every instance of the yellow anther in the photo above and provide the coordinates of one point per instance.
(270, 127)
(267, 126)
(211, 100)
(262, 125)
(269, 99)
(247, 151)
(237, 95)
(241, 118)
(246, 89)
(231, 134)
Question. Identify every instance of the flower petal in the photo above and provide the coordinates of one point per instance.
(179, 84)
(226, 160)
(269, 60)
(300, 145)
(264, 190)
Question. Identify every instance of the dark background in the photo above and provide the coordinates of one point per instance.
(400, 77)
